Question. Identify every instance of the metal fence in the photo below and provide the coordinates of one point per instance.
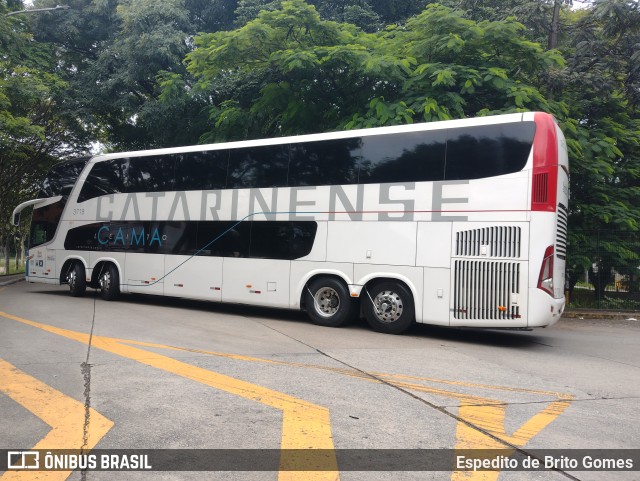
(603, 270)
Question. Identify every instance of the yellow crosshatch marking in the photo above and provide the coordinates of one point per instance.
(481, 420)
(304, 425)
(65, 415)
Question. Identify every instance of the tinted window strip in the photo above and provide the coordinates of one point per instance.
(287, 240)
(452, 154)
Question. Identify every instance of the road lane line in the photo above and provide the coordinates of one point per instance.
(304, 425)
(65, 415)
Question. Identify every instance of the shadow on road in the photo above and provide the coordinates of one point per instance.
(488, 337)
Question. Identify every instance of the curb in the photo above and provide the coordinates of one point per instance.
(592, 314)
(12, 279)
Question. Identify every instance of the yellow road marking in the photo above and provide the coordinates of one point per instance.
(304, 424)
(477, 414)
(481, 422)
(476, 385)
(490, 418)
(65, 415)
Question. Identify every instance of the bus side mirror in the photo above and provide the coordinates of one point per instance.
(16, 219)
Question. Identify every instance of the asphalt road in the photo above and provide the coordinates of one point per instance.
(154, 373)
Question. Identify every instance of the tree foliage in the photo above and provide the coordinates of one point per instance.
(290, 72)
(36, 125)
(150, 73)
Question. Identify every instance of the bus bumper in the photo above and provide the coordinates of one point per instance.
(544, 310)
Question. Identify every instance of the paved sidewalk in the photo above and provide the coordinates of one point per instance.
(11, 279)
(597, 314)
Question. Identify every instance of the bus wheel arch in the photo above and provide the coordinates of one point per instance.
(327, 300)
(388, 305)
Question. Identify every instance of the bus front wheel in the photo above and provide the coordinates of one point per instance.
(388, 307)
(328, 302)
(77, 280)
(109, 283)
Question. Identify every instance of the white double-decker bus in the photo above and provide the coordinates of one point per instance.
(456, 223)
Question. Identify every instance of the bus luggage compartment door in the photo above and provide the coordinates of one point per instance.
(144, 273)
(193, 277)
(263, 282)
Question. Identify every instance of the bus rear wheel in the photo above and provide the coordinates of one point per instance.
(328, 302)
(388, 307)
(109, 281)
(77, 280)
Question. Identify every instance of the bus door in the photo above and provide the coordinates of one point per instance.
(45, 219)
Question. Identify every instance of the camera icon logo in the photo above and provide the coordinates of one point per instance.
(23, 460)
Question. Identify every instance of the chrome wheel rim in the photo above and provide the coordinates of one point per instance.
(388, 306)
(327, 301)
(105, 282)
(72, 279)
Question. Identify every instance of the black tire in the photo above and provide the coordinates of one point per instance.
(392, 310)
(77, 280)
(328, 302)
(109, 283)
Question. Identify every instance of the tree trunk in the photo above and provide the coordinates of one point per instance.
(555, 25)
(600, 278)
(16, 242)
(6, 255)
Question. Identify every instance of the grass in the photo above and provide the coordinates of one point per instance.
(12, 267)
(585, 298)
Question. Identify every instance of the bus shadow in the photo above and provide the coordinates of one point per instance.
(508, 338)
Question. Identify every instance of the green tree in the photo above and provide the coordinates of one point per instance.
(114, 53)
(35, 126)
(290, 72)
(602, 94)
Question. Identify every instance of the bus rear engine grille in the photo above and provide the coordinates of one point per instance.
(500, 241)
(561, 232)
(486, 290)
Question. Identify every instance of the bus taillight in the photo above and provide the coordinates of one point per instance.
(545, 164)
(545, 280)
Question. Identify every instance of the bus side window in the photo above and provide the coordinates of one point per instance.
(408, 157)
(201, 170)
(255, 167)
(488, 150)
(281, 240)
(224, 238)
(38, 234)
(105, 178)
(325, 162)
(149, 174)
(179, 237)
